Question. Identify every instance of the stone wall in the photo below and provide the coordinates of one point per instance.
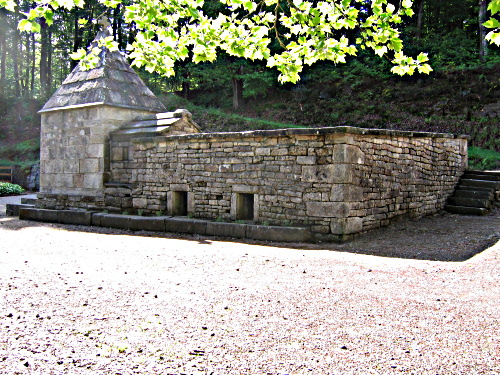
(74, 147)
(337, 181)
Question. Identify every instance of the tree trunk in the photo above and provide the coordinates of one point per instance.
(44, 60)
(3, 58)
(420, 18)
(15, 58)
(238, 89)
(25, 83)
(33, 66)
(49, 63)
(77, 39)
(483, 43)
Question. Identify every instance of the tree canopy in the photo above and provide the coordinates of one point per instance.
(494, 35)
(287, 34)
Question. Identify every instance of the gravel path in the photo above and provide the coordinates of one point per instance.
(79, 301)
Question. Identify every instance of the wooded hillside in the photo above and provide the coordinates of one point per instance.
(461, 95)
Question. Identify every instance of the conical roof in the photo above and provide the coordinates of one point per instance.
(112, 82)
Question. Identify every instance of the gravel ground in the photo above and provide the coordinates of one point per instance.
(79, 300)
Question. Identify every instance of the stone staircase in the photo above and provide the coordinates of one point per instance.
(476, 193)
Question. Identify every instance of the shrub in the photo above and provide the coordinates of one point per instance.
(10, 189)
(483, 159)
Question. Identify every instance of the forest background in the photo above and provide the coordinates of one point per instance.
(461, 95)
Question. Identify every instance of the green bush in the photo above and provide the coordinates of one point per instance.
(10, 189)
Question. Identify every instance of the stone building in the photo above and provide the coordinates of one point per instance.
(77, 120)
(107, 145)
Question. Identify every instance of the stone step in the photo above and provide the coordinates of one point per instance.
(162, 115)
(462, 210)
(31, 201)
(12, 209)
(465, 193)
(479, 176)
(479, 183)
(470, 202)
(151, 123)
(484, 173)
(475, 188)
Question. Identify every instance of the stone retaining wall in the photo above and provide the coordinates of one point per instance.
(336, 181)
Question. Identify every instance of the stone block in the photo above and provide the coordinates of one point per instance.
(263, 151)
(38, 214)
(155, 224)
(95, 151)
(96, 219)
(327, 209)
(347, 225)
(226, 229)
(92, 181)
(89, 165)
(184, 225)
(140, 203)
(115, 221)
(78, 180)
(74, 217)
(346, 193)
(331, 173)
(281, 234)
(12, 209)
(306, 160)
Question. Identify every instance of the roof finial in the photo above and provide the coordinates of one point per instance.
(104, 23)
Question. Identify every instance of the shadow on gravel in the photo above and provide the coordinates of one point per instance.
(443, 237)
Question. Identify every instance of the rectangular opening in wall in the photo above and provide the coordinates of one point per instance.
(179, 203)
(244, 206)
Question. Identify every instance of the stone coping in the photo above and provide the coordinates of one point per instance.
(305, 131)
(168, 224)
(97, 104)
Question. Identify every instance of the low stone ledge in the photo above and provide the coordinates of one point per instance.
(185, 225)
(38, 214)
(168, 224)
(74, 217)
(155, 224)
(226, 229)
(117, 221)
(280, 234)
(12, 209)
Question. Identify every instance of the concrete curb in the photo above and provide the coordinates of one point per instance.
(167, 224)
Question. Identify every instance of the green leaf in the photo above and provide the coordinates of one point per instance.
(10, 5)
(49, 15)
(24, 25)
(494, 6)
(250, 6)
(492, 23)
(425, 69)
(28, 26)
(493, 38)
(407, 3)
(78, 55)
(422, 57)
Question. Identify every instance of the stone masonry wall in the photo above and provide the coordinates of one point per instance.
(337, 181)
(74, 147)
